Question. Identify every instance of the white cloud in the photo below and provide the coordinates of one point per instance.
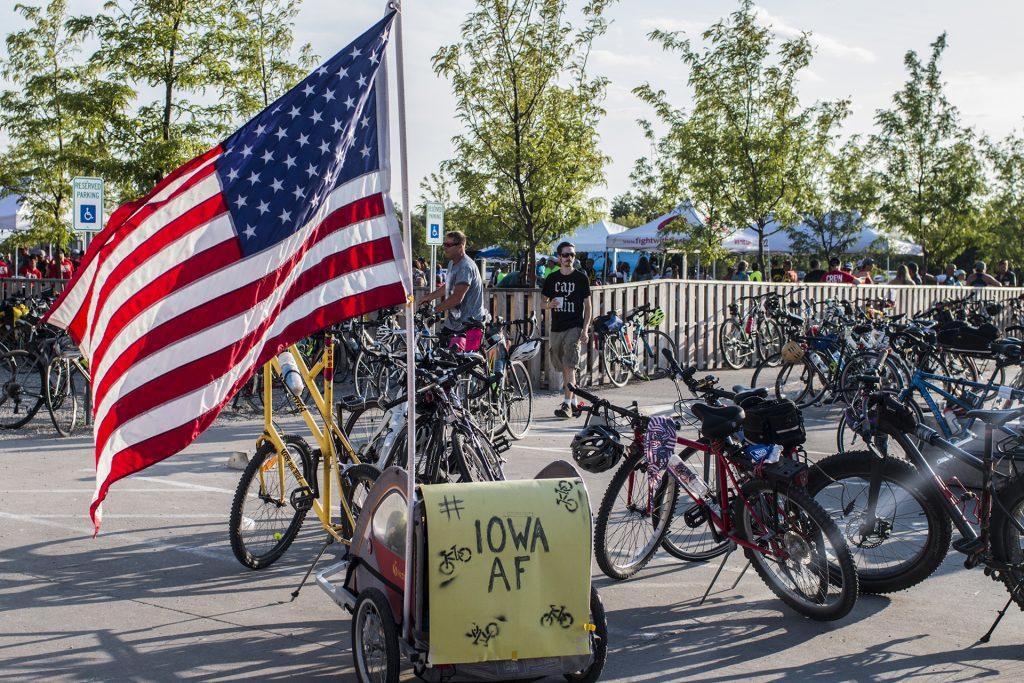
(692, 28)
(824, 42)
(609, 59)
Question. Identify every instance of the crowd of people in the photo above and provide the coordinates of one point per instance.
(39, 265)
(839, 272)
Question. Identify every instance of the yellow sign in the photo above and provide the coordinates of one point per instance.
(509, 570)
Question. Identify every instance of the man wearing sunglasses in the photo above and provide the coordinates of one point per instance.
(462, 296)
(567, 296)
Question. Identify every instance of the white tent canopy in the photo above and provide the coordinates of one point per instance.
(869, 238)
(13, 215)
(593, 237)
(656, 234)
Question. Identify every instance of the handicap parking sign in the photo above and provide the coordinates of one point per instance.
(87, 199)
(87, 213)
(435, 231)
(435, 223)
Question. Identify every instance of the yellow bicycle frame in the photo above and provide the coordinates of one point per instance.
(326, 437)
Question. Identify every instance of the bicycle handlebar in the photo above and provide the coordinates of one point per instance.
(598, 402)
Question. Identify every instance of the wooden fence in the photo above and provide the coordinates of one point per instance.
(694, 310)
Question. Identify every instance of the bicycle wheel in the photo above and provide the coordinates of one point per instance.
(910, 534)
(598, 642)
(847, 439)
(365, 371)
(629, 526)
(520, 400)
(796, 381)
(22, 387)
(357, 480)
(64, 384)
(770, 339)
(736, 345)
(263, 521)
(1007, 540)
(653, 364)
(804, 559)
(693, 543)
(476, 458)
(615, 360)
(868, 363)
(375, 639)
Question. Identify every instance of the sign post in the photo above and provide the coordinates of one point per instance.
(435, 236)
(87, 204)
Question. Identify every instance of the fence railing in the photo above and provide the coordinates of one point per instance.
(694, 310)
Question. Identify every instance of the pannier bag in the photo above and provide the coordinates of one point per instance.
(776, 422)
(885, 408)
(962, 336)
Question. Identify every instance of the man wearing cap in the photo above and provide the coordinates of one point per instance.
(979, 278)
(837, 276)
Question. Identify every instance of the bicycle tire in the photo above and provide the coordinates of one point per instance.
(846, 438)
(653, 365)
(357, 481)
(897, 476)
(22, 387)
(680, 538)
(520, 400)
(476, 463)
(1007, 541)
(372, 615)
(633, 472)
(803, 393)
(282, 538)
(62, 395)
(614, 368)
(731, 338)
(598, 642)
(840, 571)
(770, 339)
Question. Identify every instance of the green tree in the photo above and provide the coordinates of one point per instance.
(54, 117)
(842, 194)
(529, 157)
(931, 176)
(261, 39)
(182, 49)
(1004, 208)
(747, 121)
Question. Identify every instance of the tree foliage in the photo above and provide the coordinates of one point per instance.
(931, 176)
(55, 116)
(1004, 208)
(529, 157)
(750, 135)
(842, 194)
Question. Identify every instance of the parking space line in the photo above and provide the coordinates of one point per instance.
(93, 490)
(183, 484)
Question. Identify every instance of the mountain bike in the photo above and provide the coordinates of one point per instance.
(897, 517)
(751, 334)
(507, 405)
(764, 508)
(634, 349)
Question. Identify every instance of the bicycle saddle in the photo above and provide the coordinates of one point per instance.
(743, 393)
(795, 319)
(996, 418)
(718, 422)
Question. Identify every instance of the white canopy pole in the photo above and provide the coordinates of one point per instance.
(410, 333)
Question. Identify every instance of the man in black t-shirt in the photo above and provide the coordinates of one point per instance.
(567, 295)
(1004, 275)
(815, 273)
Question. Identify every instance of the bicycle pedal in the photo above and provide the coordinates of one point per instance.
(968, 546)
(302, 499)
(696, 516)
(501, 444)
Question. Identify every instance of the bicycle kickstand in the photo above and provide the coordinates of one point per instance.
(740, 577)
(295, 593)
(988, 636)
(718, 573)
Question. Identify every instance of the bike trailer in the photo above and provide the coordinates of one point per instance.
(501, 581)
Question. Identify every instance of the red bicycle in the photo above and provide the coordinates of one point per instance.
(793, 544)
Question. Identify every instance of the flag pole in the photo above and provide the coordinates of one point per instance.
(410, 332)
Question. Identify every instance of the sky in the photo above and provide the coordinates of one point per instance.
(859, 55)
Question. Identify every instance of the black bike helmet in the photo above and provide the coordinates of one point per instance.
(597, 448)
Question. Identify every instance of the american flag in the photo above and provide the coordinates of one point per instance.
(283, 229)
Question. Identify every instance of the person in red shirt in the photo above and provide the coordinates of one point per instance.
(837, 276)
(61, 267)
(5, 270)
(30, 270)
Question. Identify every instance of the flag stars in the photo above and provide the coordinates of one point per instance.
(374, 58)
(322, 70)
(308, 90)
(233, 175)
(263, 207)
(277, 185)
(324, 147)
(294, 112)
(364, 122)
(337, 126)
(311, 171)
(268, 156)
(253, 178)
(246, 151)
(329, 95)
(299, 193)
(365, 151)
(303, 140)
(356, 52)
(349, 102)
(361, 81)
(259, 129)
(342, 72)
(240, 202)
(250, 231)
(316, 117)
(285, 216)
(281, 133)
(289, 161)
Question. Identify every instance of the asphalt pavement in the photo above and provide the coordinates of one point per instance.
(158, 596)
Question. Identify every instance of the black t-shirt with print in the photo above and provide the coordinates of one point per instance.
(574, 290)
(1007, 279)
